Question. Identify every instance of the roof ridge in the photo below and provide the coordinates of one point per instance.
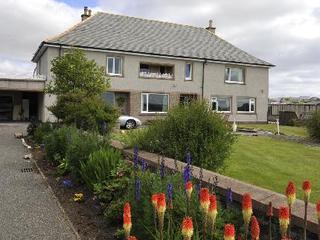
(56, 37)
(153, 20)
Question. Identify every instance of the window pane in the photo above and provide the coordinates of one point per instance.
(214, 105)
(144, 102)
(252, 105)
(108, 97)
(243, 105)
(158, 103)
(227, 74)
(110, 65)
(236, 75)
(224, 104)
(117, 66)
(188, 71)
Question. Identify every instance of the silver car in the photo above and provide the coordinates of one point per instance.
(129, 122)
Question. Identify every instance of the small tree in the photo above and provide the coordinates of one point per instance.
(78, 84)
(313, 125)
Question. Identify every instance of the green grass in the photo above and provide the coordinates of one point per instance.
(287, 130)
(271, 163)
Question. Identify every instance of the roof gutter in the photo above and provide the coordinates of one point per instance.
(59, 45)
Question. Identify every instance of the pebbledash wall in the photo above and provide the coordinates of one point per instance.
(255, 85)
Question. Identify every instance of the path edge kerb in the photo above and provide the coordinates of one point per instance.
(56, 199)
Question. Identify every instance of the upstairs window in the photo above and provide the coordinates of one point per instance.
(114, 66)
(221, 104)
(188, 76)
(153, 70)
(246, 105)
(234, 75)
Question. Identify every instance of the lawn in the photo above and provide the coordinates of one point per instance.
(287, 130)
(271, 163)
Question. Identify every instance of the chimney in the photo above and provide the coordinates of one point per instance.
(86, 13)
(210, 28)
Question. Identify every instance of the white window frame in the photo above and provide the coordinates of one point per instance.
(147, 97)
(228, 77)
(114, 66)
(252, 101)
(215, 99)
(191, 72)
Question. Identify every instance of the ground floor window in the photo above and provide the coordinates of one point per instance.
(187, 98)
(246, 105)
(154, 103)
(221, 104)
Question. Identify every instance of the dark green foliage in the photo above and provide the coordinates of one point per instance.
(79, 149)
(99, 166)
(194, 128)
(34, 124)
(313, 125)
(57, 143)
(42, 131)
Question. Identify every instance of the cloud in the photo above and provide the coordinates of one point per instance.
(285, 32)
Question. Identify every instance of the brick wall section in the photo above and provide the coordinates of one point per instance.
(260, 196)
(135, 106)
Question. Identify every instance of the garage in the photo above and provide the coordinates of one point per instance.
(6, 108)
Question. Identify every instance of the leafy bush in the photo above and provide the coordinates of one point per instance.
(57, 142)
(79, 149)
(34, 124)
(99, 166)
(190, 128)
(42, 131)
(313, 125)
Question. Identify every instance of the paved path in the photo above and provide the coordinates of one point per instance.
(28, 209)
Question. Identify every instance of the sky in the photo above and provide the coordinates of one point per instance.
(285, 33)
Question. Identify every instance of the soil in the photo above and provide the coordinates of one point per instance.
(86, 216)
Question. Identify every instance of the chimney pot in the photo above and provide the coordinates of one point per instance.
(86, 13)
(210, 28)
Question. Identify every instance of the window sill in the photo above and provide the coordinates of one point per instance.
(114, 75)
(154, 78)
(247, 113)
(231, 82)
(153, 113)
(188, 80)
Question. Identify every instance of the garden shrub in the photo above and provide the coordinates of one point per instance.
(79, 149)
(313, 125)
(190, 128)
(99, 166)
(57, 142)
(42, 131)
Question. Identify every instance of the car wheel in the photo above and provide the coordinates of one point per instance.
(130, 124)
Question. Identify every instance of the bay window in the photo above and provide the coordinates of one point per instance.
(154, 103)
(246, 105)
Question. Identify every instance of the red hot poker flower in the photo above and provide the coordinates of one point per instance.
(161, 203)
(318, 210)
(189, 189)
(229, 232)
(187, 228)
(246, 208)
(204, 199)
(284, 220)
(306, 186)
(132, 238)
(213, 208)
(291, 193)
(255, 229)
(127, 224)
(154, 200)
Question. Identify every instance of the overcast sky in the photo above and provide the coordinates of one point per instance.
(285, 33)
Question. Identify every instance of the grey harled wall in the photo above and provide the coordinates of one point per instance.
(256, 82)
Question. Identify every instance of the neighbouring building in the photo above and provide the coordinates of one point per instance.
(155, 65)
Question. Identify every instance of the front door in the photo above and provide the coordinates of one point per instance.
(122, 102)
(6, 108)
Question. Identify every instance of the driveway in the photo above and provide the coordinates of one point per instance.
(28, 209)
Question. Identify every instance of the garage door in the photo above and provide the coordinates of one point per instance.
(6, 107)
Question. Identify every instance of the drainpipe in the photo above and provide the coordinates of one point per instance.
(202, 83)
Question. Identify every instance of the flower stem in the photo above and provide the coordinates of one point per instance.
(270, 228)
(305, 220)
(289, 226)
(246, 226)
(205, 220)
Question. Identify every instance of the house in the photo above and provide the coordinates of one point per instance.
(154, 65)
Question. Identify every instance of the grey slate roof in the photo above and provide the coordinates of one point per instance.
(130, 34)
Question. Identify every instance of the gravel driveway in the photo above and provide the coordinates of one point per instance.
(28, 209)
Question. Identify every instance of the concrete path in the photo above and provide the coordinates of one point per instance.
(28, 209)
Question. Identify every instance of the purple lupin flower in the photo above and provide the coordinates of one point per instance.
(188, 158)
(162, 168)
(187, 173)
(137, 188)
(144, 165)
(229, 196)
(135, 157)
